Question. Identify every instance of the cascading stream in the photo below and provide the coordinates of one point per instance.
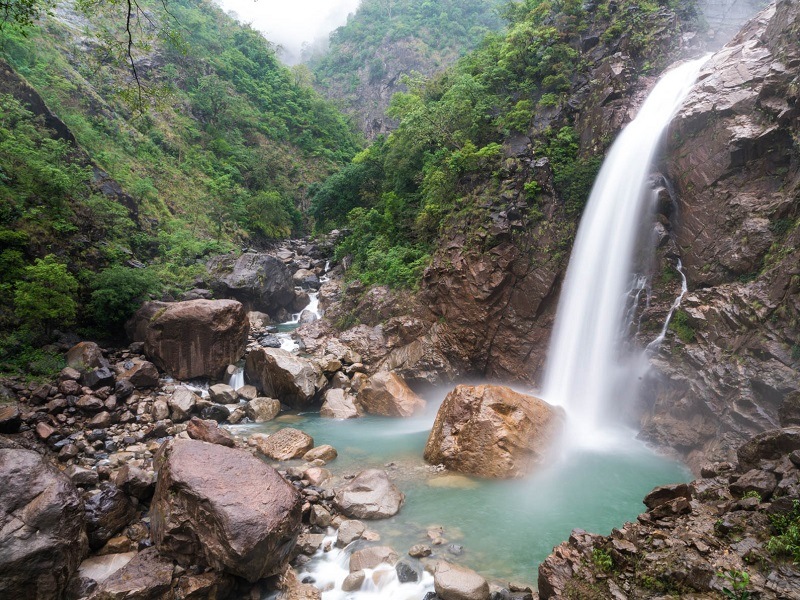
(584, 371)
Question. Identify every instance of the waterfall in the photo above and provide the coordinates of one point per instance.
(584, 373)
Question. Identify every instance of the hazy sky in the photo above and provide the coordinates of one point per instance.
(292, 22)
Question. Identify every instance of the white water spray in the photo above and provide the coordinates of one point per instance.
(584, 372)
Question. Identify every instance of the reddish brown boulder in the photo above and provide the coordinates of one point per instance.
(386, 394)
(224, 508)
(86, 356)
(197, 338)
(492, 431)
(209, 431)
(42, 527)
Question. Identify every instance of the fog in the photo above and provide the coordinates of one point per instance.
(294, 23)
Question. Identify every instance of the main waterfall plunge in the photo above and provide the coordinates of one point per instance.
(584, 372)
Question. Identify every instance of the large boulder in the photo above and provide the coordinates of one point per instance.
(454, 582)
(259, 281)
(42, 527)
(339, 404)
(370, 495)
(224, 508)
(280, 374)
(492, 431)
(198, 338)
(386, 394)
(85, 356)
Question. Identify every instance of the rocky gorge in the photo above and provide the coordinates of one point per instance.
(138, 473)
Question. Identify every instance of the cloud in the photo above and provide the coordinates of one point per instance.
(293, 23)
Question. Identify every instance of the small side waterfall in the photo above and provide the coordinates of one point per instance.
(584, 372)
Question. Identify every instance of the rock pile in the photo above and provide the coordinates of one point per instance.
(735, 523)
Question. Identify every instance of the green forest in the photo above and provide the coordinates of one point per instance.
(215, 147)
(396, 194)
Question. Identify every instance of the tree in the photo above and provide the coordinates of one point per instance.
(47, 295)
(118, 291)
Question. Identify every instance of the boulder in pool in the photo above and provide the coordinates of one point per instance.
(454, 582)
(386, 394)
(370, 495)
(492, 431)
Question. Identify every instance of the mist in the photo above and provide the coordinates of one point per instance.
(294, 23)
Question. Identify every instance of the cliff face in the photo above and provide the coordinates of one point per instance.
(734, 162)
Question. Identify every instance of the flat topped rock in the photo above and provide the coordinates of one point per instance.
(224, 508)
(371, 495)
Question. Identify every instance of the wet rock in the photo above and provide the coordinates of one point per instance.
(769, 445)
(136, 482)
(325, 452)
(420, 551)
(42, 525)
(82, 477)
(453, 582)
(10, 419)
(259, 281)
(212, 585)
(270, 341)
(387, 394)
(667, 493)
(142, 374)
(225, 508)
(761, 482)
(349, 531)
(370, 495)
(181, 403)
(371, 557)
(262, 410)
(215, 412)
(123, 389)
(492, 431)
(197, 338)
(247, 392)
(107, 513)
(406, 573)
(100, 568)
(339, 404)
(209, 431)
(147, 576)
(223, 394)
(280, 374)
(85, 357)
(354, 581)
(97, 378)
(284, 444)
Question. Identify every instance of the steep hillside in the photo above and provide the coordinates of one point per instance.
(217, 146)
(481, 185)
(384, 40)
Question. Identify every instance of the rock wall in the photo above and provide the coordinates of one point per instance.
(734, 163)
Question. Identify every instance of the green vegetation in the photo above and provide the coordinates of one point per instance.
(400, 191)
(602, 560)
(752, 494)
(431, 33)
(681, 326)
(785, 540)
(223, 154)
(738, 581)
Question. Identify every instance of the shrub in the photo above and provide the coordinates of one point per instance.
(118, 291)
(47, 294)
